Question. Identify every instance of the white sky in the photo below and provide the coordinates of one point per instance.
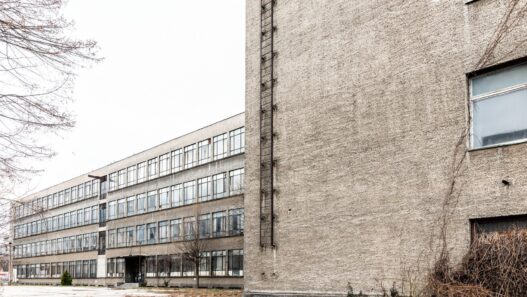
(171, 66)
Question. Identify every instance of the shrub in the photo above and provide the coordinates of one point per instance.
(66, 279)
(494, 266)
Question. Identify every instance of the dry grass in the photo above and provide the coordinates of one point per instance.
(495, 266)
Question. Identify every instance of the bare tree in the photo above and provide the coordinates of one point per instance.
(38, 62)
(194, 245)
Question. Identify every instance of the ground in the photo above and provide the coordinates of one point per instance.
(49, 291)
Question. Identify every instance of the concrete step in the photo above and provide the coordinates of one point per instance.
(129, 286)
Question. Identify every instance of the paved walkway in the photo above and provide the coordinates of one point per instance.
(51, 291)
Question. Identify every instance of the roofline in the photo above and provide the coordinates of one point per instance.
(135, 154)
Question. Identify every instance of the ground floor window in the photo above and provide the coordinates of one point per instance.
(235, 263)
(175, 265)
(188, 267)
(150, 266)
(218, 263)
(204, 264)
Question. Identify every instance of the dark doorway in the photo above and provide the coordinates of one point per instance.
(132, 269)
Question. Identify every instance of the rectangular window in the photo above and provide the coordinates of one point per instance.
(86, 242)
(93, 241)
(67, 196)
(152, 168)
(204, 226)
(152, 232)
(112, 183)
(74, 195)
(55, 202)
(164, 201)
(218, 263)
(236, 181)
(235, 263)
(163, 231)
(112, 210)
(112, 238)
(204, 151)
(131, 175)
(177, 160)
(141, 203)
(110, 267)
(73, 218)
(190, 156)
(87, 215)
(189, 227)
(95, 187)
(78, 243)
(80, 192)
(50, 204)
(498, 102)
(175, 229)
(163, 265)
(164, 164)
(204, 264)
(151, 266)
(204, 189)
(140, 234)
(218, 185)
(151, 200)
(61, 199)
(219, 224)
(121, 237)
(94, 214)
(175, 265)
(78, 269)
(236, 221)
(130, 206)
(93, 268)
(121, 179)
(87, 189)
(220, 146)
(130, 237)
(177, 195)
(190, 192)
(121, 205)
(85, 269)
(119, 267)
(59, 246)
(141, 172)
(188, 266)
(237, 141)
(80, 217)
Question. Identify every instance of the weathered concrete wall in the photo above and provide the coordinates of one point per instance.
(372, 98)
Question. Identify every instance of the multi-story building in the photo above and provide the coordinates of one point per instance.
(132, 221)
(376, 132)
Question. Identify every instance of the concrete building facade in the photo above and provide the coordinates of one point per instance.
(133, 220)
(373, 128)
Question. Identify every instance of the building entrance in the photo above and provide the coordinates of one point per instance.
(134, 272)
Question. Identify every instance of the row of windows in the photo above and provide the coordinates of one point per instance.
(212, 263)
(75, 218)
(77, 193)
(203, 189)
(217, 224)
(71, 244)
(195, 154)
(77, 269)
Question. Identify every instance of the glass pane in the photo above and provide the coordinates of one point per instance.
(499, 80)
(500, 119)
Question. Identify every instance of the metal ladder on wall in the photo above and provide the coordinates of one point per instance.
(267, 108)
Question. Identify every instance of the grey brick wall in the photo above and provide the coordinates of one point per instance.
(372, 99)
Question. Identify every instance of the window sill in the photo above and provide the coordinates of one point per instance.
(494, 146)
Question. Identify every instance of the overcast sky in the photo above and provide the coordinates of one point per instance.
(171, 66)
